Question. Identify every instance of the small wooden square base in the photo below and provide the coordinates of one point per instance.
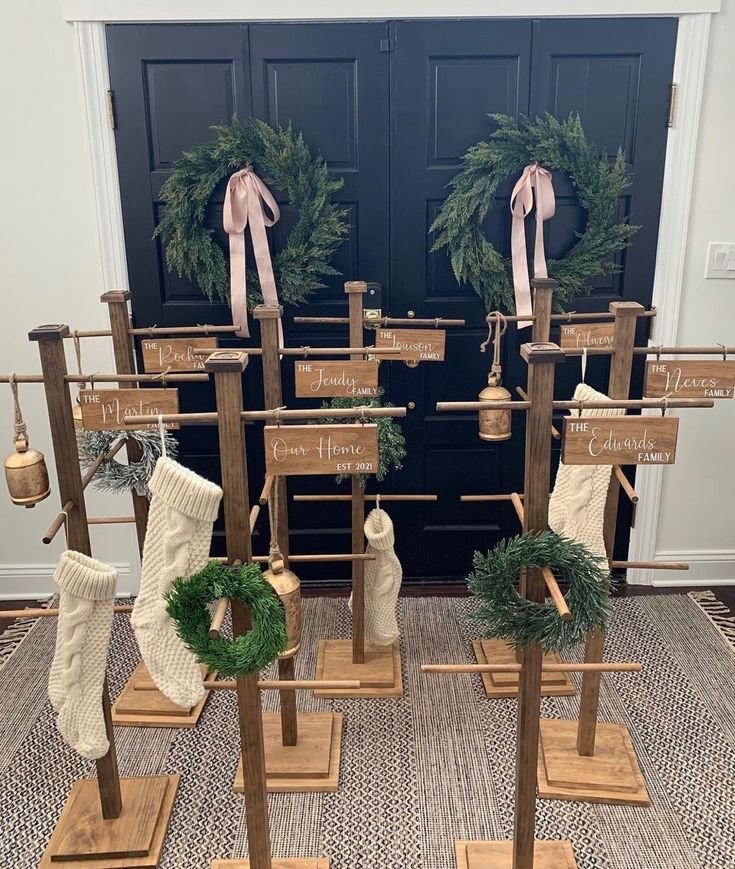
(147, 707)
(311, 765)
(83, 838)
(499, 855)
(506, 684)
(300, 863)
(611, 775)
(380, 675)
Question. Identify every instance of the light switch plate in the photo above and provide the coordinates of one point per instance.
(720, 260)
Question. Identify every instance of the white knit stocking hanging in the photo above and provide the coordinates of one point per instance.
(77, 672)
(383, 578)
(577, 504)
(183, 509)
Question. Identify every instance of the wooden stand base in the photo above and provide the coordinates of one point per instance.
(380, 675)
(146, 707)
(506, 684)
(499, 855)
(299, 863)
(311, 765)
(83, 838)
(611, 775)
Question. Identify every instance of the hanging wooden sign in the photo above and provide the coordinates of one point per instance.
(590, 335)
(321, 449)
(328, 379)
(415, 345)
(106, 409)
(695, 378)
(175, 354)
(623, 440)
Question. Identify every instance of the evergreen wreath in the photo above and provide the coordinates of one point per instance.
(284, 161)
(115, 476)
(556, 145)
(510, 616)
(391, 441)
(187, 601)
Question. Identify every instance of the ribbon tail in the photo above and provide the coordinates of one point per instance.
(238, 285)
(521, 282)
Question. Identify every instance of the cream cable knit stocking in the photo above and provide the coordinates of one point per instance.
(77, 672)
(577, 504)
(183, 509)
(382, 580)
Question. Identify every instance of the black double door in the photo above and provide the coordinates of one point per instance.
(392, 106)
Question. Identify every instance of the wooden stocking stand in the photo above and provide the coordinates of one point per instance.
(302, 751)
(586, 760)
(377, 668)
(110, 822)
(138, 706)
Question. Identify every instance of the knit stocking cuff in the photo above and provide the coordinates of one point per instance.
(185, 491)
(85, 577)
(379, 530)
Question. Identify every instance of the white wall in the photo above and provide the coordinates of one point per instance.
(697, 519)
(50, 272)
(49, 269)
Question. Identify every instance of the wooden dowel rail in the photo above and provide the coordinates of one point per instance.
(270, 684)
(483, 405)
(627, 403)
(181, 330)
(383, 321)
(102, 457)
(110, 520)
(625, 484)
(210, 417)
(649, 565)
(93, 379)
(254, 513)
(311, 559)
(58, 522)
(266, 490)
(602, 667)
(367, 497)
(524, 395)
(52, 612)
(684, 351)
(218, 617)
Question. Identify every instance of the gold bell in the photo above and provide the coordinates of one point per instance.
(494, 424)
(288, 588)
(26, 474)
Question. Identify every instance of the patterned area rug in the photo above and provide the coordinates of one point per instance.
(419, 772)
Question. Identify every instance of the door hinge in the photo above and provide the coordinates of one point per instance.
(111, 110)
(386, 45)
(672, 104)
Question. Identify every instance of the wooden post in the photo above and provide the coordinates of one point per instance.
(626, 318)
(269, 318)
(227, 367)
(541, 359)
(355, 291)
(122, 347)
(543, 300)
(69, 476)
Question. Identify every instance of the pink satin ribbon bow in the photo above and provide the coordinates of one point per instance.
(245, 202)
(521, 203)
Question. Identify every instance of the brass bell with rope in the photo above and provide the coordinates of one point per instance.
(495, 425)
(25, 469)
(285, 583)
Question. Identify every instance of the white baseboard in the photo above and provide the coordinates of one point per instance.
(35, 581)
(706, 567)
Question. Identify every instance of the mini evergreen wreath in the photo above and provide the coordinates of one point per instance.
(284, 162)
(510, 616)
(391, 442)
(115, 476)
(187, 601)
(556, 145)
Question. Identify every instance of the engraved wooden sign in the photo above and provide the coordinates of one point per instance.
(106, 409)
(321, 449)
(415, 345)
(589, 335)
(328, 379)
(175, 354)
(690, 379)
(623, 440)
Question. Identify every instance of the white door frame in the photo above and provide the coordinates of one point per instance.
(89, 18)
